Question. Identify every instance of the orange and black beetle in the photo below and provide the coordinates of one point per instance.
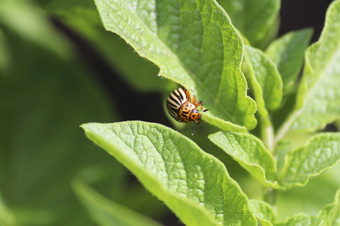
(182, 108)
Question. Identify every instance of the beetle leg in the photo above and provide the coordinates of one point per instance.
(193, 129)
(198, 104)
(194, 101)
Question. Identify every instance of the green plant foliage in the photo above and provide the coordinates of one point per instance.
(222, 124)
(330, 214)
(253, 18)
(263, 212)
(250, 153)
(107, 212)
(51, 175)
(319, 93)
(208, 62)
(321, 152)
(265, 79)
(266, 84)
(301, 219)
(194, 184)
(287, 52)
(309, 199)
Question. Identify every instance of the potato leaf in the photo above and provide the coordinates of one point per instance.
(193, 43)
(330, 214)
(263, 212)
(301, 219)
(318, 97)
(252, 17)
(321, 152)
(265, 79)
(193, 184)
(250, 153)
(287, 52)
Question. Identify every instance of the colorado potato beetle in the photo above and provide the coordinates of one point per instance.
(182, 108)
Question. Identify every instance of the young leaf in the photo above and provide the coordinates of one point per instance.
(250, 153)
(263, 212)
(265, 78)
(107, 212)
(301, 219)
(193, 43)
(192, 183)
(270, 34)
(319, 94)
(330, 214)
(321, 152)
(287, 52)
(253, 18)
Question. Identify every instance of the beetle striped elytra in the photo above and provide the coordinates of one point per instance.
(182, 108)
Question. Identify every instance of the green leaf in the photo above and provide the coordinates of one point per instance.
(223, 125)
(321, 152)
(254, 18)
(270, 35)
(263, 212)
(194, 44)
(287, 52)
(330, 214)
(250, 153)
(35, 27)
(321, 188)
(266, 84)
(193, 184)
(265, 79)
(301, 219)
(107, 212)
(318, 97)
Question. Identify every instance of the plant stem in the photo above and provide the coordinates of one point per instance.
(268, 137)
(286, 126)
(267, 130)
(270, 196)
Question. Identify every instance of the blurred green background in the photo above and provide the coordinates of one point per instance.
(59, 68)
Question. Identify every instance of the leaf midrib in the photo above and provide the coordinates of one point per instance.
(199, 82)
